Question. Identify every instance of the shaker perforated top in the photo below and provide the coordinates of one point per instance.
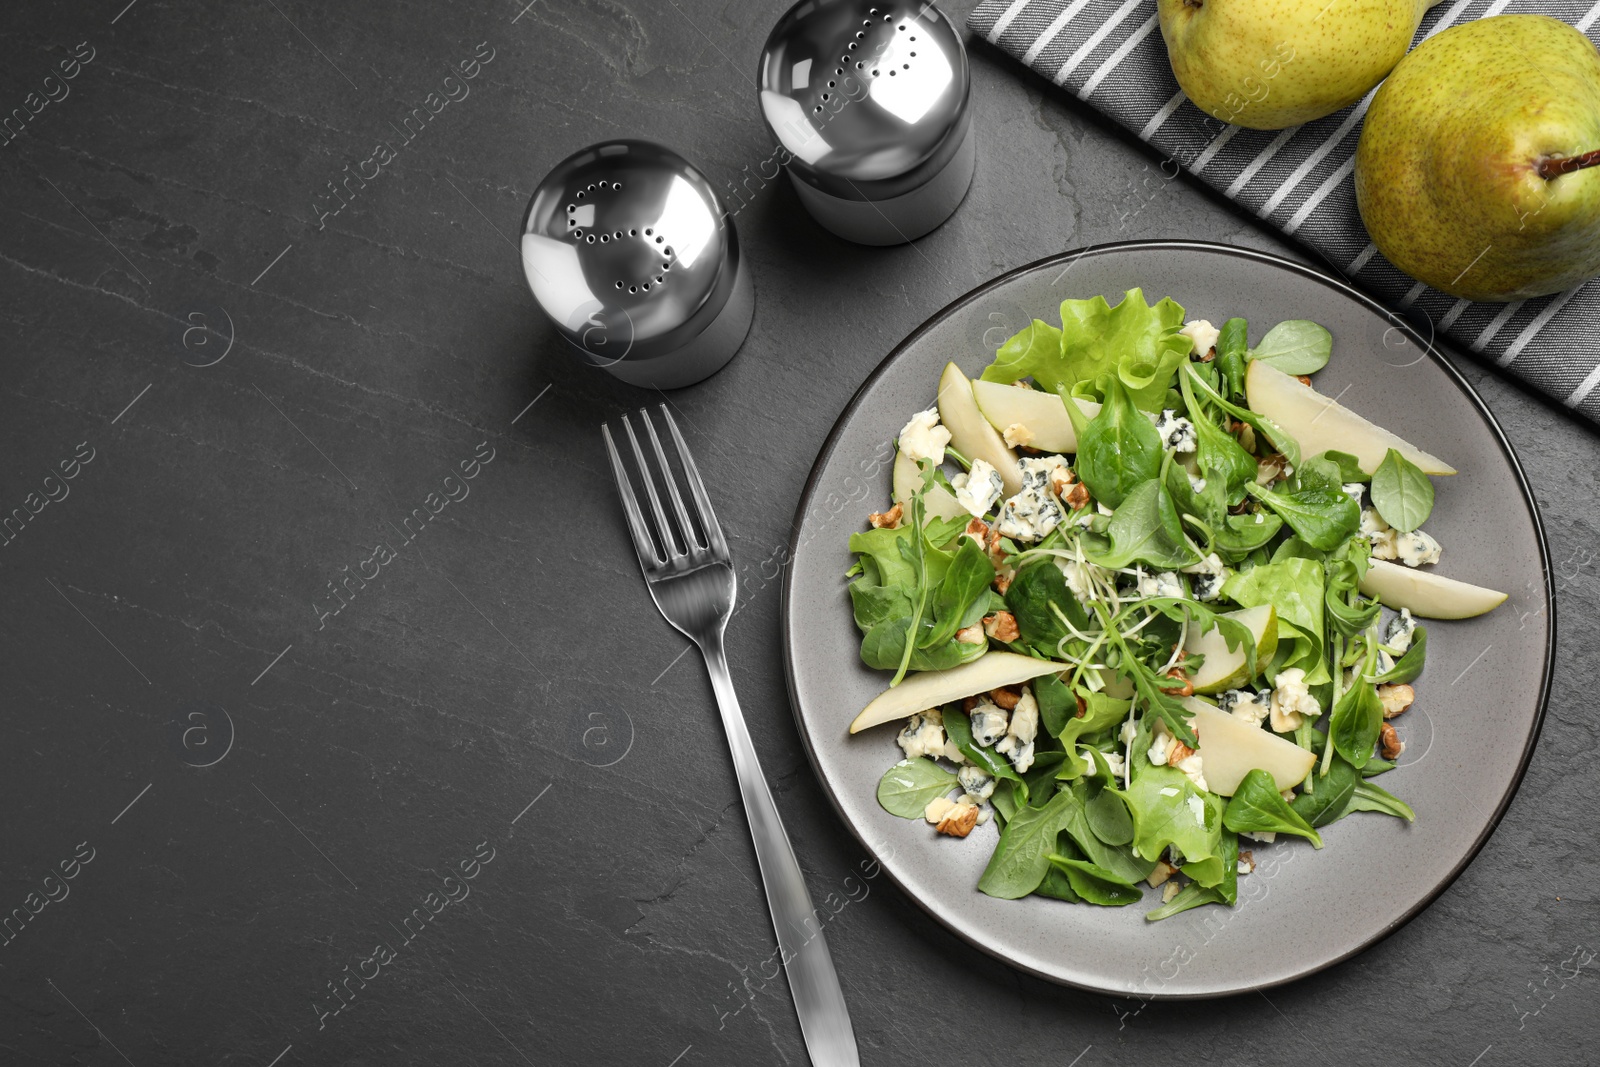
(626, 247)
(870, 98)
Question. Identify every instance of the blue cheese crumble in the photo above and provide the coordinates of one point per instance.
(924, 438)
(980, 488)
(1398, 633)
(1034, 512)
(988, 723)
(1177, 433)
(923, 735)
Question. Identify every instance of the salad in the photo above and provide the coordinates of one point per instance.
(1144, 596)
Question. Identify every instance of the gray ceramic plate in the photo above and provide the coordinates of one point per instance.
(1469, 736)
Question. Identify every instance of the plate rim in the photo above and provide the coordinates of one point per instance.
(830, 444)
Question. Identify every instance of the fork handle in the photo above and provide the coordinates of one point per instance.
(818, 1000)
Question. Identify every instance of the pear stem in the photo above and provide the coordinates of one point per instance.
(1555, 168)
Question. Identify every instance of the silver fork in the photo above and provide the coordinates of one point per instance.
(694, 585)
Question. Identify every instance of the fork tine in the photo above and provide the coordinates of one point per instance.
(708, 517)
(669, 545)
(630, 506)
(689, 540)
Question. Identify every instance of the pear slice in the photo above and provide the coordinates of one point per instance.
(1231, 748)
(1044, 414)
(937, 503)
(1224, 667)
(970, 432)
(932, 689)
(1428, 594)
(1319, 424)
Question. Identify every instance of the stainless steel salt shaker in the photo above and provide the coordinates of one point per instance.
(629, 252)
(869, 103)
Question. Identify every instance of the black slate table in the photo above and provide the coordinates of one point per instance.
(477, 808)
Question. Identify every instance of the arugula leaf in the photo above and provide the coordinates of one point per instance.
(1297, 346)
(1032, 351)
(1168, 809)
(1100, 712)
(1257, 806)
(1095, 884)
(1402, 494)
(958, 728)
(1146, 528)
(965, 583)
(1194, 894)
(1022, 857)
(1409, 665)
(1118, 449)
(1368, 797)
(906, 788)
(1232, 349)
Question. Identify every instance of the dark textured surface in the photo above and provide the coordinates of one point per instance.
(510, 654)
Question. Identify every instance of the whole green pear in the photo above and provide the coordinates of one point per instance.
(1477, 168)
(1269, 64)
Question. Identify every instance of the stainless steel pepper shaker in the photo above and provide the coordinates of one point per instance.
(629, 252)
(869, 102)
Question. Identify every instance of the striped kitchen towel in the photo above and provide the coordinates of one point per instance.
(1110, 54)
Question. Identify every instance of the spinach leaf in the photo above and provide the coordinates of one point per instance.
(1368, 797)
(1056, 883)
(958, 728)
(1146, 528)
(1240, 535)
(1117, 449)
(1218, 454)
(1409, 665)
(1096, 884)
(965, 582)
(884, 649)
(1022, 857)
(906, 788)
(1004, 799)
(1402, 494)
(1120, 860)
(1331, 799)
(1376, 766)
(1275, 435)
(1031, 351)
(1108, 818)
(1357, 717)
(1232, 348)
(1348, 465)
(1037, 587)
(1040, 776)
(1256, 806)
(1297, 346)
(1314, 505)
(915, 556)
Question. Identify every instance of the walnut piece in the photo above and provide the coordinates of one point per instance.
(1178, 753)
(1185, 686)
(1395, 699)
(1002, 626)
(1005, 698)
(959, 820)
(972, 635)
(1163, 871)
(887, 520)
(1303, 379)
(1389, 744)
(1076, 497)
